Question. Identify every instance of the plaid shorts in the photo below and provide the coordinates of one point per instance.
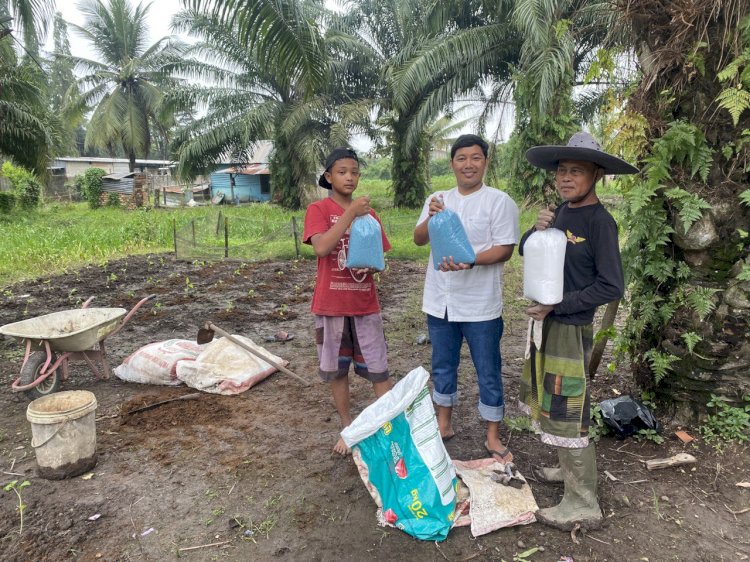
(343, 340)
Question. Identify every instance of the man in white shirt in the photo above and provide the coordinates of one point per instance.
(465, 301)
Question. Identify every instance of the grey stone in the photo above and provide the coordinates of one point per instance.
(701, 235)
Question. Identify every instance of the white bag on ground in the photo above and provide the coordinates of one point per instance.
(493, 506)
(543, 263)
(156, 363)
(401, 458)
(225, 368)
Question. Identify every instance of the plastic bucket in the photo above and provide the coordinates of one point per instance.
(63, 433)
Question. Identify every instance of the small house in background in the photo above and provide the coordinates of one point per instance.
(243, 182)
(73, 166)
(129, 187)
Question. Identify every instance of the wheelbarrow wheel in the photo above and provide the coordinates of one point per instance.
(30, 372)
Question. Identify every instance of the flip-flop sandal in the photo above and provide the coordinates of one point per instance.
(446, 439)
(505, 455)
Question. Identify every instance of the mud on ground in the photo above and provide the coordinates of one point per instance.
(206, 471)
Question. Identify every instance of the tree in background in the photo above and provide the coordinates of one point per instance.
(265, 86)
(125, 87)
(427, 56)
(31, 19)
(28, 132)
(563, 41)
(61, 80)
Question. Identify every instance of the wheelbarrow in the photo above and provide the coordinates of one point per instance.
(53, 339)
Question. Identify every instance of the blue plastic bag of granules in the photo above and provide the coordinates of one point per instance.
(448, 238)
(365, 244)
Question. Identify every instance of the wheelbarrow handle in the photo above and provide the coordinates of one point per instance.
(132, 312)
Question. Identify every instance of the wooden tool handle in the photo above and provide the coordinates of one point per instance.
(255, 352)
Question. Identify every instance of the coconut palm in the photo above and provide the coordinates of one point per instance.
(246, 99)
(126, 85)
(30, 17)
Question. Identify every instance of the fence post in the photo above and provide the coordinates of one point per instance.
(296, 237)
(164, 191)
(174, 234)
(218, 224)
(226, 237)
(193, 223)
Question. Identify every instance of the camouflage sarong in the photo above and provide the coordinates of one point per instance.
(554, 387)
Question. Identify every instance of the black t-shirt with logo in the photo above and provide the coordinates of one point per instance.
(593, 270)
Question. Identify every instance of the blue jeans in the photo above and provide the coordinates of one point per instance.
(484, 344)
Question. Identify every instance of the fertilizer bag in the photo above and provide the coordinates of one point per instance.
(365, 244)
(448, 238)
(543, 263)
(156, 363)
(401, 458)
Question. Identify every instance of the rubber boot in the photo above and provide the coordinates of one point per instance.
(579, 503)
(549, 474)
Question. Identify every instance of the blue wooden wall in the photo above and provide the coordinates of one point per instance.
(247, 188)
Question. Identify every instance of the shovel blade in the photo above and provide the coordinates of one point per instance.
(205, 335)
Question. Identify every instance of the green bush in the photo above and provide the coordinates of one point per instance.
(26, 187)
(379, 169)
(113, 199)
(7, 202)
(91, 186)
(440, 167)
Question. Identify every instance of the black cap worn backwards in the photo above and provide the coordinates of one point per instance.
(337, 154)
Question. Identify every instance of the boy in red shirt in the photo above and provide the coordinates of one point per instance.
(348, 325)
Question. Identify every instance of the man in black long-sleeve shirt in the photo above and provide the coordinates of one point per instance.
(554, 388)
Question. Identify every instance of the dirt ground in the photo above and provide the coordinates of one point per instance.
(214, 470)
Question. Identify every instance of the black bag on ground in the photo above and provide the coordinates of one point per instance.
(626, 416)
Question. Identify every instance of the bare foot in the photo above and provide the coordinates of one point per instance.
(341, 448)
(444, 422)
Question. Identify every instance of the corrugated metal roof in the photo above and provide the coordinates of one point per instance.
(248, 170)
(112, 160)
(120, 176)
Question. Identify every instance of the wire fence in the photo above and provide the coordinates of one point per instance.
(220, 236)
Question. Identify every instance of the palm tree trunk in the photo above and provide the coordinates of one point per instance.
(131, 158)
(409, 172)
(705, 344)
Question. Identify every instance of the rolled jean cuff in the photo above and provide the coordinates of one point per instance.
(445, 400)
(491, 413)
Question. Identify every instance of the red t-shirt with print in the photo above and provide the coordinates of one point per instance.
(338, 290)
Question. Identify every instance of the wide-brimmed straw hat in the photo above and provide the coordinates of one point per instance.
(581, 146)
(337, 154)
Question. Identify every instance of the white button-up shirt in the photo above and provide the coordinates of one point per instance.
(490, 218)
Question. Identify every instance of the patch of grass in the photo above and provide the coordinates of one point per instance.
(273, 501)
(60, 237)
(518, 423)
(727, 424)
